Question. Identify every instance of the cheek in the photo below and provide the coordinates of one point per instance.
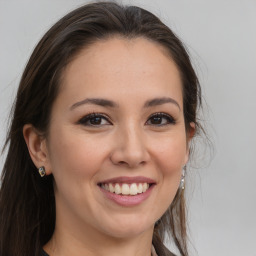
(75, 156)
(170, 154)
(170, 157)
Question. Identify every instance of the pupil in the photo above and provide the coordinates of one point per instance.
(157, 120)
(96, 120)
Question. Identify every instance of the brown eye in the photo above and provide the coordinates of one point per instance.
(160, 119)
(94, 120)
(156, 120)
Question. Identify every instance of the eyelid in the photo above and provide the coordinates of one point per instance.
(86, 118)
(91, 115)
(163, 115)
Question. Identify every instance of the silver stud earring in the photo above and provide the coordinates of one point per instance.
(42, 171)
(182, 181)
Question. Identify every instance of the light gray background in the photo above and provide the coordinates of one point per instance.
(221, 37)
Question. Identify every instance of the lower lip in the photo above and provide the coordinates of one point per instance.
(128, 200)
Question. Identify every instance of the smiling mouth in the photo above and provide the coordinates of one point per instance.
(126, 189)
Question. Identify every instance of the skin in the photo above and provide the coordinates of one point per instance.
(125, 142)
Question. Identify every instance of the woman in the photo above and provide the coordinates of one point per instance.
(100, 137)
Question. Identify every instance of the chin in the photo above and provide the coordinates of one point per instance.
(129, 228)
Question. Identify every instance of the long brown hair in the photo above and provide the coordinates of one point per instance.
(27, 203)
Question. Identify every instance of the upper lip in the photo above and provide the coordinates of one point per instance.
(129, 180)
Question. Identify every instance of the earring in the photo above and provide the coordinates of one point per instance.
(182, 181)
(42, 171)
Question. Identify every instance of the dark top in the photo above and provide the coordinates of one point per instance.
(43, 253)
(163, 252)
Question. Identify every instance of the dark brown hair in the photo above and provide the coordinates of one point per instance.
(27, 203)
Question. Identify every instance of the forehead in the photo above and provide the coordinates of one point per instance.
(125, 65)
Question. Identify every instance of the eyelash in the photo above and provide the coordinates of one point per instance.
(84, 120)
(90, 116)
(170, 119)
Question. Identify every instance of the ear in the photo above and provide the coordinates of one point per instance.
(190, 134)
(36, 144)
(192, 131)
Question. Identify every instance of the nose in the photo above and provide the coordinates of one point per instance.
(130, 148)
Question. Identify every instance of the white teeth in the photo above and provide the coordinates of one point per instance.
(134, 189)
(144, 187)
(126, 189)
(140, 188)
(117, 189)
(111, 188)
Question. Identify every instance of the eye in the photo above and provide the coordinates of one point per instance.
(159, 119)
(94, 119)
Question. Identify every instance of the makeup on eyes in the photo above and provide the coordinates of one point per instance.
(95, 119)
(159, 116)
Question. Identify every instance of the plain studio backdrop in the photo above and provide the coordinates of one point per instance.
(221, 38)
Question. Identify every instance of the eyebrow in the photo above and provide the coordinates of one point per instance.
(95, 101)
(112, 104)
(160, 101)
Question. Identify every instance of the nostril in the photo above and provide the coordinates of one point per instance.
(128, 158)
(130, 164)
(122, 162)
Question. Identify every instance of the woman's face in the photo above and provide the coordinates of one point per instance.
(117, 140)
